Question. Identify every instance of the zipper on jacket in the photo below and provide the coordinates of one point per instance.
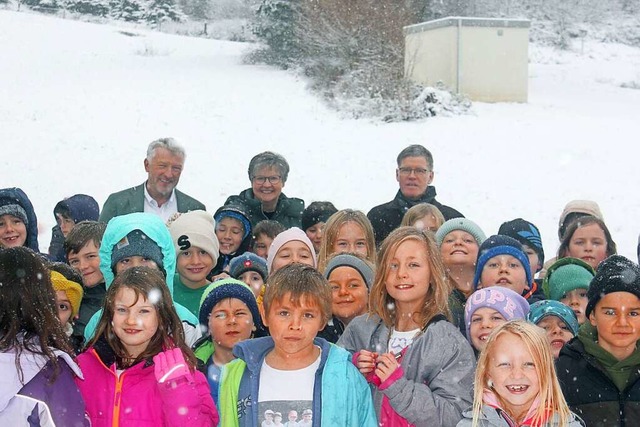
(116, 401)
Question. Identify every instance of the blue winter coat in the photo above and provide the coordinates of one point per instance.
(20, 198)
(341, 396)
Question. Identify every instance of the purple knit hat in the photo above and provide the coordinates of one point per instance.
(503, 300)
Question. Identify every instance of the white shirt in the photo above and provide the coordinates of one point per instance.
(399, 340)
(166, 210)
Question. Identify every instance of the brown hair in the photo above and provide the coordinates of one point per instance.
(302, 282)
(144, 281)
(28, 316)
(583, 221)
(421, 210)
(437, 297)
(550, 394)
(81, 234)
(330, 233)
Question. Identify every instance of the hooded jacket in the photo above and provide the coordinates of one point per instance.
(288, 209)
(438, 371)
(341, 396)
(156, 230)
(590, 390)
(135, 398)
(36, 402)
(17, 196)
(131, 200)
(387, 217)
(81, 208)
(225, 259)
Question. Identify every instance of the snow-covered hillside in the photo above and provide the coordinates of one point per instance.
(80, 102)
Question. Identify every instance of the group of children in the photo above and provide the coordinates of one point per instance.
(206, 320)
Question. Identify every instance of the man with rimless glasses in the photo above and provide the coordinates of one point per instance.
(414, 174)
(268, 173)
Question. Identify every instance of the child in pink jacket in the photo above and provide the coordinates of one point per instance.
(138, 369)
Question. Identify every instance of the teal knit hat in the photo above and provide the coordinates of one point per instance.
(566, 275)
(462, 224)
(542, 309)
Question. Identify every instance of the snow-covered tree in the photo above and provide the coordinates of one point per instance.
(127, 10)
(159, 11)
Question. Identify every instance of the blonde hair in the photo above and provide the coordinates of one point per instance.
(421, 210)
(437, 297)
(551, 397)
(330, 233)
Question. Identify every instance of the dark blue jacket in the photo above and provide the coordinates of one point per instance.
(80, 208)
(19, 197)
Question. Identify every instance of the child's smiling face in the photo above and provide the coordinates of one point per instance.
(504, 270)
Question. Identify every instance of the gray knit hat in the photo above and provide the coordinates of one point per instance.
(14, 209)
(136, 243)
(348, 260)
(463, 224)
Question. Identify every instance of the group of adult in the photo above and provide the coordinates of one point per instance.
(264, 200)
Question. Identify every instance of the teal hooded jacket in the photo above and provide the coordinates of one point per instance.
(151, 225)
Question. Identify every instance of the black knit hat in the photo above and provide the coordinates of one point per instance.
(614, 274)
(527, 234)
(317, 212)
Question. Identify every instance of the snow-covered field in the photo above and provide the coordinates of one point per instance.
(80, 102)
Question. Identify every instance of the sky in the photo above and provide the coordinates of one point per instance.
(80, 102)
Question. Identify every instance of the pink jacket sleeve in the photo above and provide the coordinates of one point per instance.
(188, 403)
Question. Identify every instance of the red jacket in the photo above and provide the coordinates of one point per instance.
(136, 398)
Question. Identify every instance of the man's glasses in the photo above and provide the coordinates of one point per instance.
(415, 171)
(262, 179)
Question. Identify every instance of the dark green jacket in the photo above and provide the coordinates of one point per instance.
(132, 200)
(288, 210)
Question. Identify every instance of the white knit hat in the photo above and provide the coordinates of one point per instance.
(195, 228)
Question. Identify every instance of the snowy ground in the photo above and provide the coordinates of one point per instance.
(80, 102)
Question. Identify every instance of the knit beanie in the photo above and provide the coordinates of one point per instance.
(505, 301)
(294, 233)
(236, 213)
(9, 207)
(527, 234)
(348, 260)
(195, 228)
(566, 275)
(248, 261)
(317, 212)
(228, 288)
(136, 243)
(501, 245)
(585, 207)
(541, 309)
(463, 224)
(614, 274)
(72, 289)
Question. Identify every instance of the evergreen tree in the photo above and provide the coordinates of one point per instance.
(159, 11)
(127, 10)
(275, 26)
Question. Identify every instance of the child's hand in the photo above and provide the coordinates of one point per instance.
(170, 365)
(366, 361)
(385, 365)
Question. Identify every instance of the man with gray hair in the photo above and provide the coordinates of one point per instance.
(414, 175)
(268, 173)
(158, 195)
